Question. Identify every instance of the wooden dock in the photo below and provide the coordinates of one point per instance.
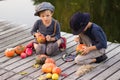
(12, 34)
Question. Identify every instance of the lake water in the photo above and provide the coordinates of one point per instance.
(18, 11)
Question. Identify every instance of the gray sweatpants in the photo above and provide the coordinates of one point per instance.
(86, 59)
(50, 48)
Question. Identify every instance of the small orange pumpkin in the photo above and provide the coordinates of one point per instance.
(48, 67)
(41, 39)
(79, 48)
(9, 52)
(50, 60)
(19, 49)
(56, 70)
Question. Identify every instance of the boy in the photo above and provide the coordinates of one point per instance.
(48, 27)
(90, 34)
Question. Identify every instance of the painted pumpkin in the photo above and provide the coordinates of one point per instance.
(40, 59)
(48, 67)
(41, 39)
(56, 70)
(50, 60)
(10, 52)
(20, 49)
(79, 48)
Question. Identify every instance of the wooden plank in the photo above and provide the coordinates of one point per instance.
(109, 71)
(19, 63)
(73, 72)
(16, 38)
(3, 23)
(24, 66)
(115, 76)
(17, 43)
(10, 30)
(6, 75)
(10, 61)
(70, 72)
(21, 28)
(112, 46)
(18, 77)
(103, 66)
(27, 78)
(6, 27)
(2, 71)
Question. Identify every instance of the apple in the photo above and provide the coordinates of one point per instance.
(23, 55)
(29, 51)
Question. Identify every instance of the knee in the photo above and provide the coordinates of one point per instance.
(35, 45)
(49, 52)
(79, 60)
(76, 60)
(40, 49)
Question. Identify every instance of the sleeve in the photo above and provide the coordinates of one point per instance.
(100, 39)
(57, 33)
(35, 28)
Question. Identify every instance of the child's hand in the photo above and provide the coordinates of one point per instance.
(85, 50)
(37, 34)
(48, 38)
(76, 39)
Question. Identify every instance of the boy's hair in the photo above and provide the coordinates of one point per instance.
(43, 6)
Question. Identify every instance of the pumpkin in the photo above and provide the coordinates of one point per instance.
(48, 67)
(79, 48)
(19, 49)
(56, 70)
(50, 60)
(41, 39)
(40, 59)
(10, 52)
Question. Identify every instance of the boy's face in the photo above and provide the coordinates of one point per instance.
(46, 16)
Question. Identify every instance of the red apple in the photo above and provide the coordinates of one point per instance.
(29, 51)
(23, 55)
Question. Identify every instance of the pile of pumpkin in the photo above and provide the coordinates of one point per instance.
(49, 67)
(21, 50)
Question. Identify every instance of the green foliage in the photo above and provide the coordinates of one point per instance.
(103, 12)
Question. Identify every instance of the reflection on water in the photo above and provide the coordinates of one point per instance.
(103, 12)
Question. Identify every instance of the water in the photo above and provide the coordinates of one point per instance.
(18, 11)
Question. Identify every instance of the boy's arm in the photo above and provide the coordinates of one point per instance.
(35, 28)
(88, 49)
